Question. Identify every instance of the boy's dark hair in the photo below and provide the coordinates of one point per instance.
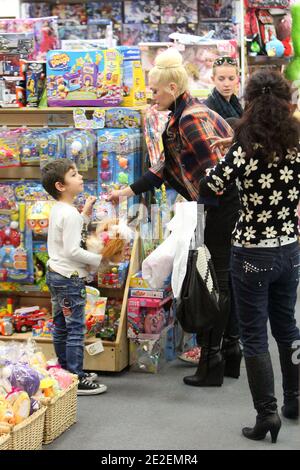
(55, 172)
(268, 117)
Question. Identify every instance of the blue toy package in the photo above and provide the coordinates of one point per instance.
(119, 158)
(84, 78)
(114, 276)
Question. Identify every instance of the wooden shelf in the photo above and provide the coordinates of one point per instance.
(50, 117)
(64, 109)
(115, 356)
(265, 60)
(34, 172)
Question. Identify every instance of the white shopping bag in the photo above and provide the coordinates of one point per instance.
(171, 256)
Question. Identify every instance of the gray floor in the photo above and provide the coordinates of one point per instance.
(144, 411)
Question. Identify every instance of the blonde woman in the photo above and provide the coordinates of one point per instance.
(187, 139)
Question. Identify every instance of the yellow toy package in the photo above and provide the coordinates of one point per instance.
(134, 88)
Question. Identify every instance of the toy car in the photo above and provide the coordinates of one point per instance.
(25, 318)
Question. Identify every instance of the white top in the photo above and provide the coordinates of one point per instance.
(66, 257)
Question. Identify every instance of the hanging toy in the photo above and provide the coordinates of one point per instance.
(76, 147)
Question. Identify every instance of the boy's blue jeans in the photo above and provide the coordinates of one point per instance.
(265, 282)
(68, 297)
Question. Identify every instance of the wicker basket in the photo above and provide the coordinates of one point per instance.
(5, 442)
(61, 413)
(28, 435)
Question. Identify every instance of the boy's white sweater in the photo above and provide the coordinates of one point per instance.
(66, 257)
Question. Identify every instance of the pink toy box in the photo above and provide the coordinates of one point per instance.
(147, 316)
(84, 78)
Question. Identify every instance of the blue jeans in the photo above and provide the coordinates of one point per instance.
(265, 282)
(68, 297)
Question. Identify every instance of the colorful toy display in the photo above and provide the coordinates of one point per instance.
(84, 78)
(119, 161)
(16, 248)
(12, 93)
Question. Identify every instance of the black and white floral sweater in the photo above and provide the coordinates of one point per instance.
(269, 193)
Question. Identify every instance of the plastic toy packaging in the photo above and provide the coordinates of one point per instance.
(63, 377)
(134, 88)
(81, 148)
(9, 148)
(114, 275)
(122, 117)
(35, 83)
(145, 354)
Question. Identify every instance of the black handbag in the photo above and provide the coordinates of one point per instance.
(198, 307)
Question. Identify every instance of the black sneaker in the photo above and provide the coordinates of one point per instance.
(91, 376)
(86, 387)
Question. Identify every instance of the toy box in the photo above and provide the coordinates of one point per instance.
(142, 11)
(150, 293)
(10, 65)
(12, 93)
(134, 88)
(84, 78)
(148, 316)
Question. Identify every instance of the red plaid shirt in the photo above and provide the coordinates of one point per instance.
(187, 140)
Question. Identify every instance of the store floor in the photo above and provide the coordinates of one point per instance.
(144, 411)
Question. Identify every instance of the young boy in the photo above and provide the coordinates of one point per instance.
(222, 99)
(67, 268)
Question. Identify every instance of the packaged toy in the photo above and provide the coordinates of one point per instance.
(35, 82)
(84, 78)
(75, 12)
(94, 310)
(102, 9)
(122, 117)
(134, 88)
(142, 11)
(145, 354)
(25, 318)
(148, 316)
(24, 377)
(133, 34)
(12, 93)
(16, 249)
(81, 121)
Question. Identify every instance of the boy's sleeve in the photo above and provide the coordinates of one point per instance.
(72, 239)
(225, 172)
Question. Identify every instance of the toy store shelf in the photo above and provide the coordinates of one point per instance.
(265, 60)
(33, 172)
(115, 356)
(56, 116)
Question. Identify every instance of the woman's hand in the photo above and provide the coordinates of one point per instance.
(221, 143)
(114, 196)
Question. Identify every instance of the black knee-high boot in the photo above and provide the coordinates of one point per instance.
(290, 382)
(261, 383)
(232, 354)
(210, 370)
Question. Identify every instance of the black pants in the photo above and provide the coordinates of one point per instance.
(268, 292)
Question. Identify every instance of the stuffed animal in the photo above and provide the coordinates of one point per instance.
(110, 239)
(274, 48)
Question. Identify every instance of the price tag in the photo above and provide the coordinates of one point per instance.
(95, 348)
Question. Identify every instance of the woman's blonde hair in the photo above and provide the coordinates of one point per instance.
(168, 68)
